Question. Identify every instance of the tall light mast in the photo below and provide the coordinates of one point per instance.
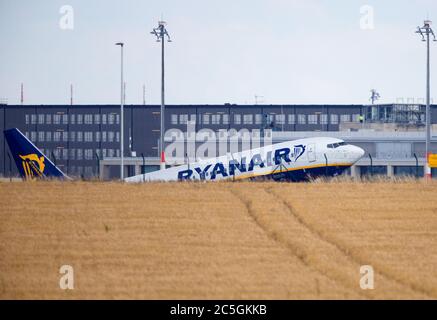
(161, 32)
(121, 44)
(425, 32)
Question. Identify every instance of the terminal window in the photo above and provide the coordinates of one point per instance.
(280, 118)
(345, 118)
(226, 119)
(334, 118)
(111, 118)
(88, 119)
(88, 136)
(174, 119)
(237, 118)
(355, 118)
(301, 119)
(323, 119)
(110, 136)
(248, 119)
(312, 119)
(57, 119)
(215, 119)
(56, 136)
(88, 154)
(57, 153)
(183, 118)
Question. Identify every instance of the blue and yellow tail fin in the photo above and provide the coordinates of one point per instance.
(31, 163)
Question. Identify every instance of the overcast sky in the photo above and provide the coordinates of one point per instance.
(289, 51)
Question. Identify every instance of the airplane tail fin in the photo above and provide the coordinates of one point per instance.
(30, 161)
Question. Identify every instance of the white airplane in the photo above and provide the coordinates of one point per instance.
(296, 160)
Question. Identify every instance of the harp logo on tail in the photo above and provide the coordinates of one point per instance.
(33, 165)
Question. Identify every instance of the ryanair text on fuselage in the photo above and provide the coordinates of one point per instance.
(211, 171)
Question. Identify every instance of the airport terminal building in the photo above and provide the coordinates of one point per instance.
(84, 140)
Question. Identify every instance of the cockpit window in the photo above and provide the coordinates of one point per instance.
(336, 145)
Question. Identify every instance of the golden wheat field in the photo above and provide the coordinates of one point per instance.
(246, 240)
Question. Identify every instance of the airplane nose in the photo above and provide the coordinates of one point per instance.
(360, 152)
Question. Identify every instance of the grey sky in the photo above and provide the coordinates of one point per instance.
(288, 51)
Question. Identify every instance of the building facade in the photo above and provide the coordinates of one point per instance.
(78, 137)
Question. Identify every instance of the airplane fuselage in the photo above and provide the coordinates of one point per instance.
(292, 160)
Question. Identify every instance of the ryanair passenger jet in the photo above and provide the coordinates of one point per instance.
(291, 161)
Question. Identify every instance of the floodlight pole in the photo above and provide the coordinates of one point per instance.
(121, 44)
(375, 96)
(427, 116)
(161, 32)
(425, 32)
